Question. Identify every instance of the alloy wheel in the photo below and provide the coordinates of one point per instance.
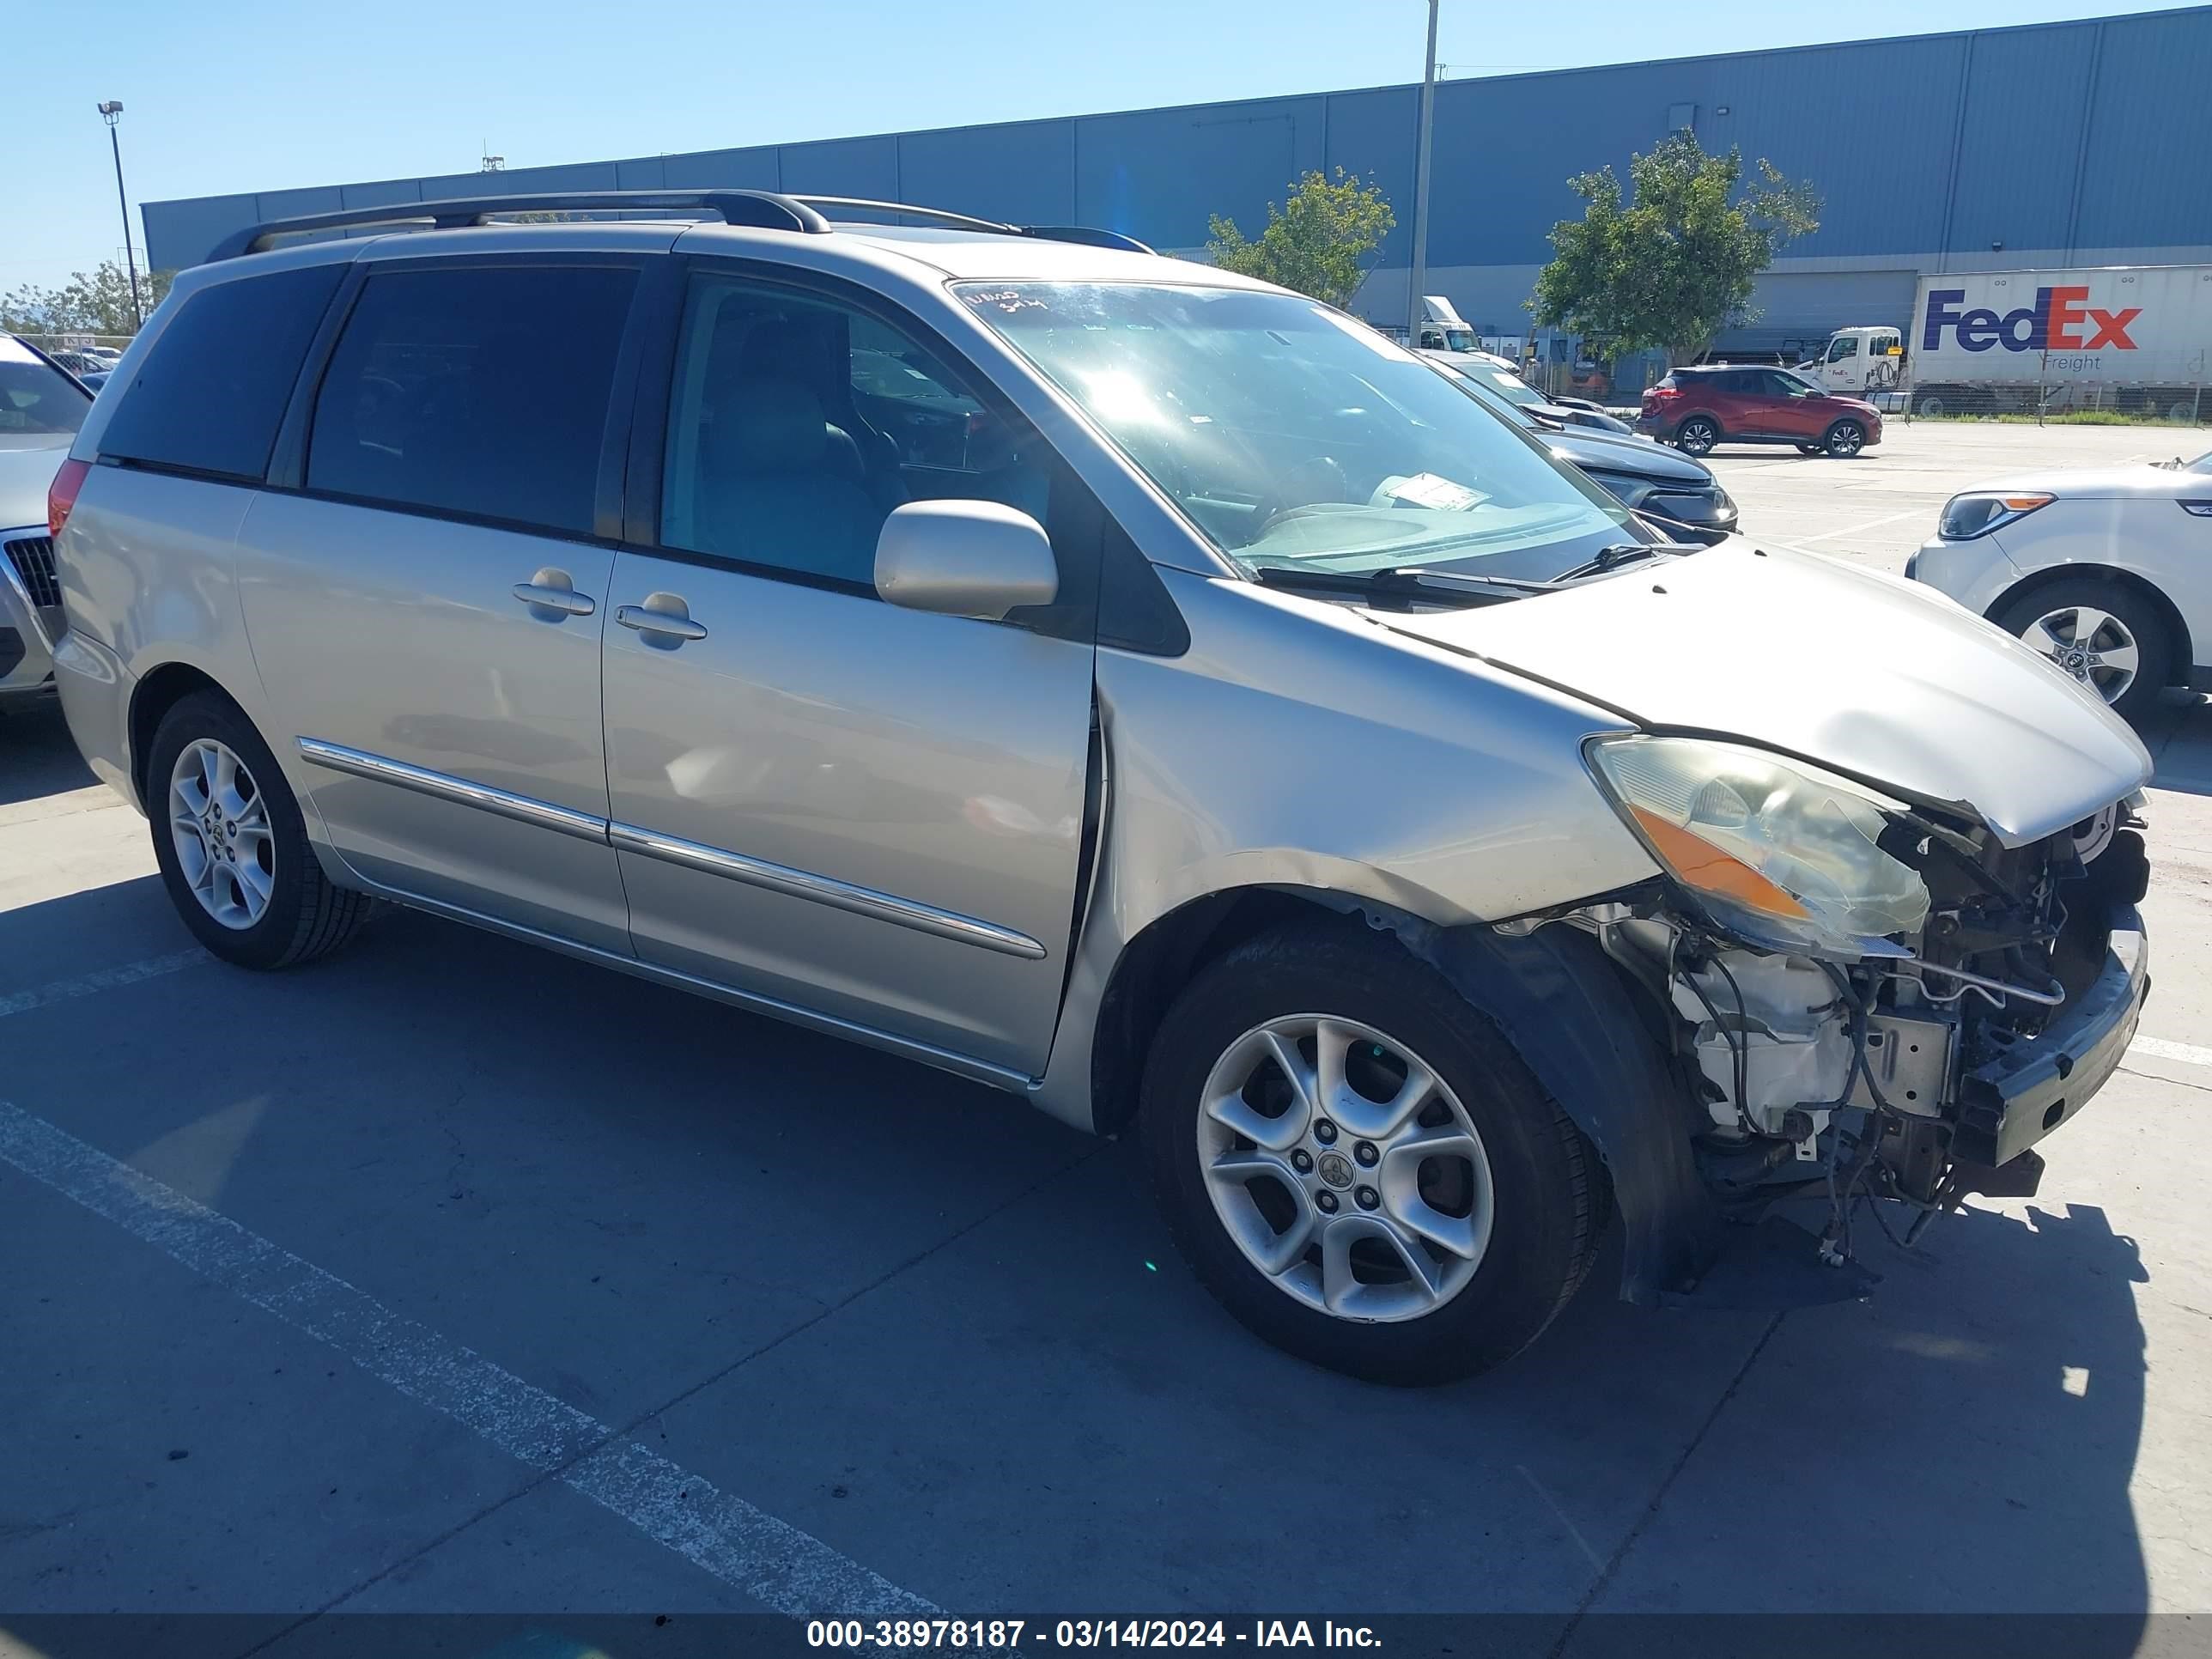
(1344, 1169)
(2095, 646)
(219, 825)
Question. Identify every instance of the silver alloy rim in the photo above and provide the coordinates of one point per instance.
(1344, 1169)
(219, 824)
(2094, 646)
(1848, 440)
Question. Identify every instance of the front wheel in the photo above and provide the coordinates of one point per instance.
(1357, 1165)
(1697, 435)
(1844, 440)
(232, 846)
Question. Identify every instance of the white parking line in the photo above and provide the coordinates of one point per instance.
(2187, 1053)
(1853, 530)
(778, 1565)
(105, 979)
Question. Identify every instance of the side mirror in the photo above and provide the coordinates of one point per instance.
(964, 559)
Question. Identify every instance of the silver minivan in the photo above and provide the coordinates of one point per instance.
(1120, 683)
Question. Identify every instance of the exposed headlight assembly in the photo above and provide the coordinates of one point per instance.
(1782, 854)
(1966, 517)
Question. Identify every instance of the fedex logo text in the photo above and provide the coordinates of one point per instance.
(2054, 322)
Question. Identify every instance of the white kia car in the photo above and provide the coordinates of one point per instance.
(2107, 572)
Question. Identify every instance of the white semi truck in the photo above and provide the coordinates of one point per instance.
(2132, 338)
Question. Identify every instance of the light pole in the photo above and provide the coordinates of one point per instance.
(1421, 277)
(112, 112)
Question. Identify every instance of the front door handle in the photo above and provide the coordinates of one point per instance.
(664, 619)
(551, 594)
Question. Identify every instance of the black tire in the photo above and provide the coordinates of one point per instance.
(1698, 435)
(308, 915)
(1844, 439)
(1549, 1194)
(2142, 619)
(1931, 404)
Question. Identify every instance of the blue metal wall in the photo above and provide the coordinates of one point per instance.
(2083, 141)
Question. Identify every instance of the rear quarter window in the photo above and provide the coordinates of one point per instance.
(212, 393)
(475, 390)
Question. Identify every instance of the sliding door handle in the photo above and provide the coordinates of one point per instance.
(551, 594)
(664, 618)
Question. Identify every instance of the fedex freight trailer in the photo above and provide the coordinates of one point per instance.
(2136, 337)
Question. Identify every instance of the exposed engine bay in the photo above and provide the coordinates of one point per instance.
(1920, 1072)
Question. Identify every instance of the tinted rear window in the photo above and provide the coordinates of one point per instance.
(210, 394)
(479, 390)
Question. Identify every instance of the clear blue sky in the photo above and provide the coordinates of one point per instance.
(229, 95)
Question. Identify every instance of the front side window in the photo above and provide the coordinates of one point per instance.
(35, 398)
(1292, 435)
(479, 390)
(796, 425)
(209, 394)
(1846, 347)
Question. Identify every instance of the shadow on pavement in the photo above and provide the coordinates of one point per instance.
(2178, 735)
(36, 756)
(908, 1315)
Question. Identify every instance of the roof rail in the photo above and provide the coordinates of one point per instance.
(1089, 235)
(934, 216)
(1086, 235)
(763, 210)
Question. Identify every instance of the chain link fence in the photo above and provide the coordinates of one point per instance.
(80, 354)
(2168, 388)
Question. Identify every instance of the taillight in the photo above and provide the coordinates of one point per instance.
(61, 494)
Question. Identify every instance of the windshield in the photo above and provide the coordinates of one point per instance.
(1292, 435)
(34, 397)
(1481, 384)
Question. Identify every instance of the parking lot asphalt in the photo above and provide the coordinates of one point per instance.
(447, 1274)
(1883, 504)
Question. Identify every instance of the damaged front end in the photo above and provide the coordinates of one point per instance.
(1866, 1000)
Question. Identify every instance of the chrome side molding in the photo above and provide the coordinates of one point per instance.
(673, 849)
(825, 890)
(443, 786)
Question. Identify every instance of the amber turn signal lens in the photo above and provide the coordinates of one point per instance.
(1702, 866)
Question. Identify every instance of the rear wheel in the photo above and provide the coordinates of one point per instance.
(1697, 435)
(2105, 636)
(232, 846)
(1359, 1166)
(1930, 403)
(1844, 439)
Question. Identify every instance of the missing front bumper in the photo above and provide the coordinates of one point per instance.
(2008, 1103)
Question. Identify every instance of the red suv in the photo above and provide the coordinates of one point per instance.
(1695, 408)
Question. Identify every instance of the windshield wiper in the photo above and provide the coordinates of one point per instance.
(1403, 583)
(1610, 558)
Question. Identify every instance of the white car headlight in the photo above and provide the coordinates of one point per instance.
(1778, 851)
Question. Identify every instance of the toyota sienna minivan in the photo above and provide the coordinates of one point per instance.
(1118, 682)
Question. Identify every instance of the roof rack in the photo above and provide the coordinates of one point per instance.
(761, 209)
(1089, 235)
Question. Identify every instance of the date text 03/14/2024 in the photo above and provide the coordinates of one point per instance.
(1007, 1635)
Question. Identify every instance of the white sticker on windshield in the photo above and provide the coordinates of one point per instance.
(1428, 490)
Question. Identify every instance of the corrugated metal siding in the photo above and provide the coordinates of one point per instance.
(2147, 166)
(2020, 139)
(1023, 173)
(2068, 136)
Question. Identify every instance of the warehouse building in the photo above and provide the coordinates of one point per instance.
(2066, 143)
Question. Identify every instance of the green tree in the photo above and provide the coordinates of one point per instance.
(1316, 243)
(97, 301)
(1670, 263)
